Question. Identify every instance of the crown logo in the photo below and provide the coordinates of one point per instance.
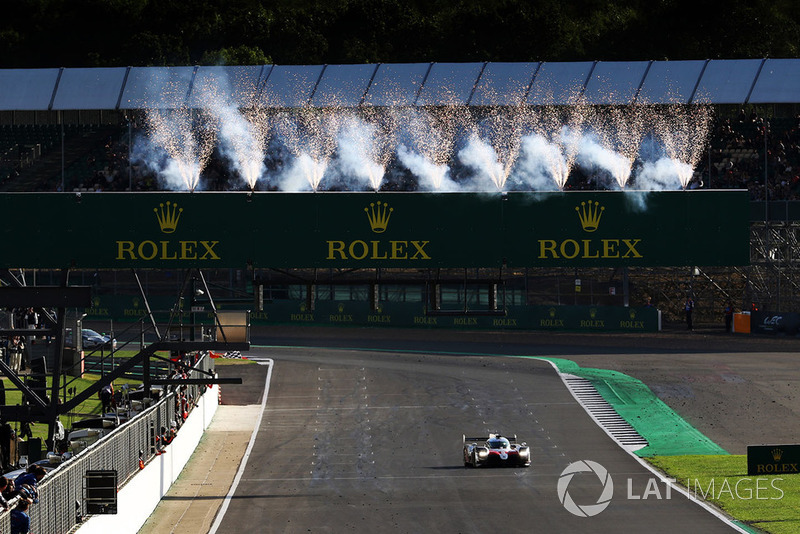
(589, 215)
(777, 454)
(168, 216)
(378, 214)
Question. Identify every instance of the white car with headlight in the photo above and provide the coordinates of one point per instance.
(495, 450)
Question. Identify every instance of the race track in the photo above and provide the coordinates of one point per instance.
(370, 441)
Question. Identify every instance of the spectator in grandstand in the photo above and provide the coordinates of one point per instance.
(738, 158)
(20, 520)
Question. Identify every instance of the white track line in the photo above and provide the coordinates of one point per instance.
(247, 452)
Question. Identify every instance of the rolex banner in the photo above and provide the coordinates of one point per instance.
(352, 230)
(773, 459)
(600, 318)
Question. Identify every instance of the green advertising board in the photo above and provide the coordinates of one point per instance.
(127, 308)
(352, 230)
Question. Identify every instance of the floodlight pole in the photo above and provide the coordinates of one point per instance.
(766, 170)
(61, 314)
(63, 166)
(765, 123)
(130, 142)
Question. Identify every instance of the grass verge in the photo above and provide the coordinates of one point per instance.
(768, 503)
(88, 408)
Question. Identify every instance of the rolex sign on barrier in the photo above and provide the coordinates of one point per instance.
(773, 459)
(371, 230)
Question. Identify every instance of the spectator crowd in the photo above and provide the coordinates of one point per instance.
(737, 156)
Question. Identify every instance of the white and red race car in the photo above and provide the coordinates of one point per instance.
(495, 450)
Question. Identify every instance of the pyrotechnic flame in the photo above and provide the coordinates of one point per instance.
(503, 147)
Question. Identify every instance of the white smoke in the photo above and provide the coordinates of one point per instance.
(357, 146)
(663, 174)
(241, 144)
(353, 151)
(241, 138)
(431, 177)
(482, 158)
(175, 148)
(303, 174)
(542, 165)
(599, 160)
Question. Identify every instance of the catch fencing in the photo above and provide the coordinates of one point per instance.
(61, 503)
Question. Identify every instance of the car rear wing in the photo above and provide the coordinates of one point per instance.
(511, 439)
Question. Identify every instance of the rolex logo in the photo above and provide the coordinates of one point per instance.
(777, 454)
(589, 214)
(378, 214)
(168, 216)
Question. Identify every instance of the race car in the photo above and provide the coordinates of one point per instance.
(495, 450)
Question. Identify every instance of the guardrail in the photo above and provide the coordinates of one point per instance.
(61, 492)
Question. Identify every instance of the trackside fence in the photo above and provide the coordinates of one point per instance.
(61, 493)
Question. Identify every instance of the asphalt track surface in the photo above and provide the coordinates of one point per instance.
(370, 440)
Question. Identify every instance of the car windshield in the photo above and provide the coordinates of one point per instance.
(498, 443)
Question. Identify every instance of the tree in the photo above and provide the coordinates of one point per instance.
(240, 55)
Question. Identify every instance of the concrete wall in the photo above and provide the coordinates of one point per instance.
(140, 496)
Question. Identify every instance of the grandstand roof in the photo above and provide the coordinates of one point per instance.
(716, 81)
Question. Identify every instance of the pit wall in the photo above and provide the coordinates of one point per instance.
(123, 308)
(139, 497)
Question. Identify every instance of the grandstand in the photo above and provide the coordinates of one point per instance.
(74, 129)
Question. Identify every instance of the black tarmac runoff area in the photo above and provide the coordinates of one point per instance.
(370, 440)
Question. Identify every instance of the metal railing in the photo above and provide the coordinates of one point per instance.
(61, 492)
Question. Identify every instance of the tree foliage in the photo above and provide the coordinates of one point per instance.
(95, 33)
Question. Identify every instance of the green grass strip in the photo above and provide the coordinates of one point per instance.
(667, 433)
(88, 408)
(768, 503)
